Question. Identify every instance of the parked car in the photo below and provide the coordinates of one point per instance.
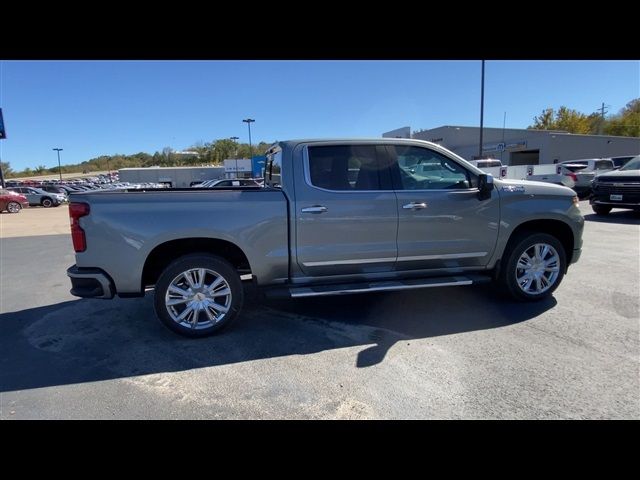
(584, 171)
(37, 196)
(54, 189)
(593, 164)
(310, 232)
(619, 162)
(618, 189)
(12, 202)
(579, 176)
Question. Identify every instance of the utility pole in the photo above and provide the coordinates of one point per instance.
(235, 153)
(504, 122)
(481, 109)
(59, 167)
(602, 112)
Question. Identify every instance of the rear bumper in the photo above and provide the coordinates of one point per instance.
(90, 283)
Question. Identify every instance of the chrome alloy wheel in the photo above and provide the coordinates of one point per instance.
(537, 269)
(198, 298)
(13, 207)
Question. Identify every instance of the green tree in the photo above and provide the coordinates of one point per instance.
(544, 121)
(565, 118)
(626, 122)
(40, 170)
(6, 168)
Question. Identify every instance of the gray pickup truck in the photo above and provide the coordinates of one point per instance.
(334, 217)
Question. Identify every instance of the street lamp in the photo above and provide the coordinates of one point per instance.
(59, 167)
(249, 121)
(235, 154)
(481, 109)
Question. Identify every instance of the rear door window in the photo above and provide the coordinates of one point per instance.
(347, 168)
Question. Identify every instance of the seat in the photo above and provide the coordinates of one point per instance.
(367, 178)
(339, 175)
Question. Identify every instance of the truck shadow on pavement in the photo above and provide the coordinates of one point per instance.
(93, 340)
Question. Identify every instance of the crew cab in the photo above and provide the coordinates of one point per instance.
(334, 217)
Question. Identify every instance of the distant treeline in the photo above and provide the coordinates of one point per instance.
(625, 123)
(210, 153)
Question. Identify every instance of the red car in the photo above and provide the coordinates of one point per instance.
(12, 202)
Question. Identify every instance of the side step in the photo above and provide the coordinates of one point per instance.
(386, 286)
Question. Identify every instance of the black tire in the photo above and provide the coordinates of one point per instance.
(205, 261)
(517, 246)
(46, 202)
(601, 209)
(14, 207)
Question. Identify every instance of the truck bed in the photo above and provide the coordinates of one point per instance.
(125, 226)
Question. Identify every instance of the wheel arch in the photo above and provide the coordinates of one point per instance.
(165, 253)
(556, 228)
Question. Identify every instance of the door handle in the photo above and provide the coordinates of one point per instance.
(314, 209)
(415, 206)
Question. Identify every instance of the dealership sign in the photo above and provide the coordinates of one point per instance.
(502, 146)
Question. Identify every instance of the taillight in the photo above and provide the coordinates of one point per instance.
(77, 210)
(572, 175)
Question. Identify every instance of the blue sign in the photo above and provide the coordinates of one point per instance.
(3, 132)
(257, 166)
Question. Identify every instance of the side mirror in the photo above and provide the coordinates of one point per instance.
(485, 186)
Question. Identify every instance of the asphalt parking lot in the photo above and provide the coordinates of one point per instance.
(460, 352)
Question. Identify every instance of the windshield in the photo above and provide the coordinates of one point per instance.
(634, 164)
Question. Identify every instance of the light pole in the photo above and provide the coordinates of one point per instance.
(59, 167)
(235, 154)
(109, 170)
(481, 109)
(249, 121)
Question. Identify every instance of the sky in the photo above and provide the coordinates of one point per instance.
(93, 108)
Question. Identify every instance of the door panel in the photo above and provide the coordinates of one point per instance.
(441, 222)
(345, 222)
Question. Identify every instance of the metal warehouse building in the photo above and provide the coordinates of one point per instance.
(523, 147)
(177, 177)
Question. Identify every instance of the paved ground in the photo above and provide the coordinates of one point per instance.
(443, 353)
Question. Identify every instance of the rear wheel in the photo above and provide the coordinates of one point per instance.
(601, 209)
(14, 207)
(46, 202)
(533, 266)
(197, 295)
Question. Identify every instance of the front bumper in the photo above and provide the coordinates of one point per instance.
(630, 196)
(90, 283)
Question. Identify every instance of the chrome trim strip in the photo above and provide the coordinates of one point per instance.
(446, 256)
(349, 262)
(307, 292)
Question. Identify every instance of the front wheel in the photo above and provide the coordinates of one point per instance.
(47, 202)
(197, 295)
(14, 207)
(601, 209)
(533, 266)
